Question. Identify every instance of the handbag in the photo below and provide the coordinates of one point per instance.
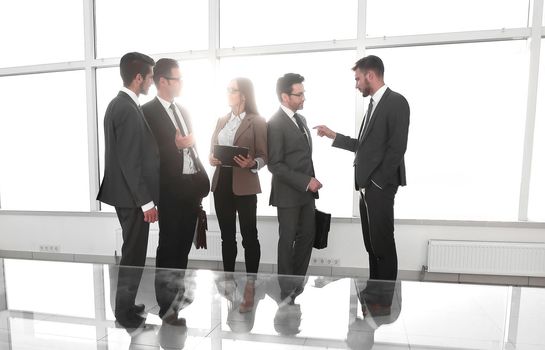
(199, 240)
(323, 224)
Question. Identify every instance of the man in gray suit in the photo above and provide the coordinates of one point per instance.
(294, 186)
(379, 163)
(131, 179)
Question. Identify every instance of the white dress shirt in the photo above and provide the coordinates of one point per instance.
(376, 99)
(226, 136)
(189, 166)
(291, 114)
(134, 97)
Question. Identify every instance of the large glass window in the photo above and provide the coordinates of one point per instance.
(467, 126)
(329, 85)
(536, 207)
(399, 17)
(249, 22)
(34, 32)
(43, 142)
(150, 26)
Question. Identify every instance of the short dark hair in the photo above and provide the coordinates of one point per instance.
(163, 68)
(370, 62)
(246, 89)
(285, 84)
(132, 64)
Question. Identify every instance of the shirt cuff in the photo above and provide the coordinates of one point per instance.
(260, 164)
(148, 206)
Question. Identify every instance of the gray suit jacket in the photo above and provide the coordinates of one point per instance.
(131, 172)
(380, 156)
(290, 161)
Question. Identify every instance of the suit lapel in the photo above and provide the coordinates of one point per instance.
(244, 125)
(309, 139)
(294, 128)
(376, 113)
(138, 108)
(223, 122)
(185, 119)
(161, 113)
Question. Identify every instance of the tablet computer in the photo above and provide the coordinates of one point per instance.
(225, 154)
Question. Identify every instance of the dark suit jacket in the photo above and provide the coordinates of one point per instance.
(290, 161)
(131, 172)
(172, 161)
(251, 133)
(380, 157)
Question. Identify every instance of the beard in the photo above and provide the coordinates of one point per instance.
(366, 90)
(143, 89)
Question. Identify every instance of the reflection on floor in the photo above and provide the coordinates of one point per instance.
(61, 305)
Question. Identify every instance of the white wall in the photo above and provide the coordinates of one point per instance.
(95, 234)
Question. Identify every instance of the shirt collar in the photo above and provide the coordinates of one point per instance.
(131, 94)
(288, 111)
(165, 103)
(378, 94)
(241, 116)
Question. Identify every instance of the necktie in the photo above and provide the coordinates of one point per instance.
(178, 122)
(182, 132)
(299, 123)
(366, 120)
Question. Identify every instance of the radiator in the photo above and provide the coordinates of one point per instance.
(487, 258)
(213, 242)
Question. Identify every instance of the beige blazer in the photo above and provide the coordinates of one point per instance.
(252, 133)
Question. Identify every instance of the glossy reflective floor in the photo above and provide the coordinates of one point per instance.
(54, 305)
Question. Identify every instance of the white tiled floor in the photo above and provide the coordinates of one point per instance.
(59, 305)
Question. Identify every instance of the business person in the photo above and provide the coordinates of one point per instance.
(294, 185)
(131, 179)
(379, 163)
(235, 188)
(183, 180)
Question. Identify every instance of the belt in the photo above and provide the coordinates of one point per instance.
(189, 176)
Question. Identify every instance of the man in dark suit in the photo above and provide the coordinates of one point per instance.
(294, 186)
(379, 163)
(131, 179)
(183, 180)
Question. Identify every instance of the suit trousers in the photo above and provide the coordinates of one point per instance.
(377, 223)
(296, 231)
(133, 254)
(177, 222)
(227, 206)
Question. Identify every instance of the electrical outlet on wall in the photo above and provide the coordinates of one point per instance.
(325, 261)
(49, 248)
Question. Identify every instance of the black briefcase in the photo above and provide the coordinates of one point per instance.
(323, 223)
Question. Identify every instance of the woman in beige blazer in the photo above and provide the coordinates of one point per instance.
(235, 188)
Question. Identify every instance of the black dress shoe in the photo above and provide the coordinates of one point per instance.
(377, 310)
(138, 309)
(130, 321)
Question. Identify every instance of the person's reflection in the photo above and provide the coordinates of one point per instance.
(144, 335)
(174, 290)
(380, 304)
(169, 291)
(284, 290)
(128, 314)
(243, 294)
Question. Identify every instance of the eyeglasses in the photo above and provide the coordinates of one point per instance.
(232, 90)
(301, 94)
(178, 79)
